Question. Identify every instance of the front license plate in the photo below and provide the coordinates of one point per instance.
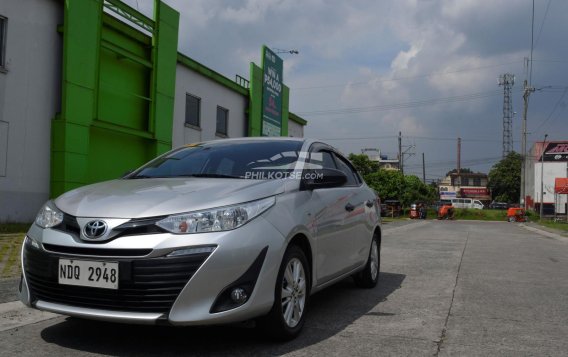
(88, 273)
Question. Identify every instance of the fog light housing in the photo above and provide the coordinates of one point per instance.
(239, 296)
(239, 291)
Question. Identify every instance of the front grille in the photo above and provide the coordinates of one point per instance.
(101, 252)
(145, 285)
(135, 226)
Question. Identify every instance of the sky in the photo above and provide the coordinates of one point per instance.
(367, 70)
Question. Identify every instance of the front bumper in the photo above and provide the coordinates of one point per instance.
(155, 288)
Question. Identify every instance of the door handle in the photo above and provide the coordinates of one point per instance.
(369, 203)
(349, 207)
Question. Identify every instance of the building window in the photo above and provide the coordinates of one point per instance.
(477, 181)
(192, 110)
(465, 181)
(3, 22)
(222, 121)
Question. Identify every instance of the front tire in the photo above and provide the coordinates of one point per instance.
(369, 276)
(286, 319)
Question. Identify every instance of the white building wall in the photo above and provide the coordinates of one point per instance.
(29, 99)
(212, 94)
(552, 170)
(294, 129)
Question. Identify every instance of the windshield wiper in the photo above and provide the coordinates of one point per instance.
(139, 177)
(212, 176)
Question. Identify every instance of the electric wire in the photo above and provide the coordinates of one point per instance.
(542, 23)
(412, 137)
(537, 130)
(432, 74)
(406, 105)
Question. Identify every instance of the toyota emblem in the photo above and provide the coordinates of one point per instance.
(95, 229)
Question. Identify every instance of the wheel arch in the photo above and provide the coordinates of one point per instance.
(303, 242)
(377, 232)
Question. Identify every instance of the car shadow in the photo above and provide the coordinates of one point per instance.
(331, 311)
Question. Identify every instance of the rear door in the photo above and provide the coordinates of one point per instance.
(360, 215)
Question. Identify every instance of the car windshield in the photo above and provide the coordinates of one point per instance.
(259, 159)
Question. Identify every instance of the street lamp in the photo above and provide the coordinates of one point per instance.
(542, 175)
(279, 51)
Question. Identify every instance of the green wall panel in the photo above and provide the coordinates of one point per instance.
(164, 77)
(134, 152)
(124, 93)
(285, 109)
(117, 94)
(255, 100)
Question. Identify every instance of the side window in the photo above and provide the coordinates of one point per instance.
(351, 175)
(321, 159)
(192, 110)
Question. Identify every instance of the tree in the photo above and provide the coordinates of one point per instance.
(363, 164)
(505, 179)
(391, 184)
(387, 183)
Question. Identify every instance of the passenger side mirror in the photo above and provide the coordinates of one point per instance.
(322, 178)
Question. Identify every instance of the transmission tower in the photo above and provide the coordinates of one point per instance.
(507, 80)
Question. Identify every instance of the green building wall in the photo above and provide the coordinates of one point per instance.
(118, 89)
(117, 93)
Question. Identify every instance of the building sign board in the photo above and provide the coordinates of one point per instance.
(466, 192)
(272, 67)
(447, 195)
(556, 152)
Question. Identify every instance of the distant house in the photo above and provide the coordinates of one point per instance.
(465, 185)
(386, 163)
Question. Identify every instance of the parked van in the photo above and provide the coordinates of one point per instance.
(467, 203)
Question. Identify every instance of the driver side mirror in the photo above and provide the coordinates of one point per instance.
(322, 178)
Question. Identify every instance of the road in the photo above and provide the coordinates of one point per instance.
(447, 288)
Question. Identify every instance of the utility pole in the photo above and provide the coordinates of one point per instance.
(527, 90)
(542, 176)
(400, 161)
(459, 180)
(423, 170)
(459, 155)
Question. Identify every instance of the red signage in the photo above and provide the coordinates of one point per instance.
(561, 185)
(475, 192)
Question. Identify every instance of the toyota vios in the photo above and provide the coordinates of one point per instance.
(209, 233)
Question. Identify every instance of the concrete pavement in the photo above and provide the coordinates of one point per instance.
(447, 288)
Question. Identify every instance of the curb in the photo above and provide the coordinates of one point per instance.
(545, 233)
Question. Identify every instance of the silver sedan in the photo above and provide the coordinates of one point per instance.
(209, 233)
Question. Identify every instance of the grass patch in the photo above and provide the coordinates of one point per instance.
(563, 226)
(391, 219)
(480, 214)
(10, 246)
(14, 227)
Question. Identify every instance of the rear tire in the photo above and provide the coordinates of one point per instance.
(291, 294)
(369, 276)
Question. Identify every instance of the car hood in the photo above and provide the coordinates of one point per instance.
(138, 198)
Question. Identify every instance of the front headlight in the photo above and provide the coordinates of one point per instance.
(49, 216)
(215, 219)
